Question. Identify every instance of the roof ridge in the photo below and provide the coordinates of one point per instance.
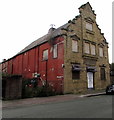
(43, 39)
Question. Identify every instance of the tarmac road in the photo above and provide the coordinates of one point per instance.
(85, 107)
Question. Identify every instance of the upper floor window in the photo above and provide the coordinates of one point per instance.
(55, 51)
(100, 51)
(93, 51)
(86, 48)
(45, 54)
(74, 45)
(89, 26)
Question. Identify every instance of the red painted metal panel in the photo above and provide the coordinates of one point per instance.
(36, 59)
(54, 66)
(10, 67)
(15, 65)
(25, 64)
(42, 63)
(20, 60)
(32, 61)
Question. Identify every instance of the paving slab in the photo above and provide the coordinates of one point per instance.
(44, 100)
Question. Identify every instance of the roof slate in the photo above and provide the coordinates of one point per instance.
(45, 38)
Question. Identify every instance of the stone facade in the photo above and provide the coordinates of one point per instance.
(89, 63)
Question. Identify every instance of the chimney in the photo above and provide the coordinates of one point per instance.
(4, 60)
(51, 29)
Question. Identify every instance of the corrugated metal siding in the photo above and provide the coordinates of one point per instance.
(31, 61)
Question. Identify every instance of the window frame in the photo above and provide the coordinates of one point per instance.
(86, 49)
(101, 50)
(75, 75)
(89, 26)
(76, 71)
(75, 49)
(93, 53)
(55, 51)
(46, 56)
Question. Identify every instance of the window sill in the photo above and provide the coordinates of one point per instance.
(90, 32)
(75, 80)
(75, 52)
(44, 60)
(54, 57)
(90, 56)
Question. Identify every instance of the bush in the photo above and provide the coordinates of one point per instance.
(33, 90)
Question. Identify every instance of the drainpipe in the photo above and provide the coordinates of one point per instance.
(46, 71)
(38, 71)
(46, 77)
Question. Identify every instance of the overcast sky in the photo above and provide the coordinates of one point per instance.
(23, 21)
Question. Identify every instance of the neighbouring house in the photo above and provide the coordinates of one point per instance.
(72, 58)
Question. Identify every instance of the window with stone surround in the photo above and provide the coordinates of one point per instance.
(74, 45)
(93, 49)
(100, 51)
(89, 26)
(76, 75)
(76, 71)
(87, 48)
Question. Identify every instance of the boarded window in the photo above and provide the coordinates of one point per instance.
(101, 52)
(103, 76)
(93, 50)
(76, 71)
(75, 74)
(86, 48)
(89, 26)
(45, 55)
(55, 51)
(74, 45)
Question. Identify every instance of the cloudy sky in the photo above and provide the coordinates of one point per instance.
(23, 21)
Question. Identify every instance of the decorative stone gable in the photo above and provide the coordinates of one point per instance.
(86, 46)
(86, 7)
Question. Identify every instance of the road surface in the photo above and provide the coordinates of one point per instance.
(86, 107)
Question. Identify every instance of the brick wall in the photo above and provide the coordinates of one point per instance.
(11, 87)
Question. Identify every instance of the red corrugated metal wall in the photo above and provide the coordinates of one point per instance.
(31, 61)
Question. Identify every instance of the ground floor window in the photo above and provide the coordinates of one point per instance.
(75, 74)
(102, 72)
(76, 71)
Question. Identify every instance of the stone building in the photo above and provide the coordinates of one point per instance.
(72, 58)
(86, 54)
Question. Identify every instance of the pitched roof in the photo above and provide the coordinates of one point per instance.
(45, 38)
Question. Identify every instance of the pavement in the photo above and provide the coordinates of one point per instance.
(43, 100)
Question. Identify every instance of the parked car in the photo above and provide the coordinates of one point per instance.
(110, 89)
